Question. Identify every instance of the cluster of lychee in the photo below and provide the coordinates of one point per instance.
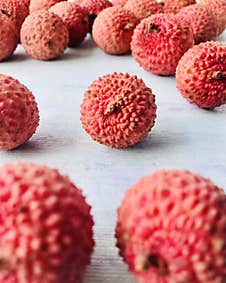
(171, 227)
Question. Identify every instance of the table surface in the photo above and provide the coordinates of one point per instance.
(184, 137)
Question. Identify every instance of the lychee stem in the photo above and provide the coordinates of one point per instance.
(112, 107)
(4, 12)
(153, 28)
(219, 76)
(155, 261)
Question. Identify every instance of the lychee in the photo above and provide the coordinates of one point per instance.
(44, 35)
(18, 113)
(8, 37)
(94, 7)
(159, 42)
(113, 30)
(201, 75)
(76, 19)
(174, 6)
(219, 9)
(171, 228)
(46, 226)
(118, 110)
(36, 5)
(119, 2)
(202, 21)
(143, 8)
(16, 10)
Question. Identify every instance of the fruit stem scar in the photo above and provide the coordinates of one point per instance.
(153, 28)
(157, 262)
(218, 75)
(112, 107)
(4, 12)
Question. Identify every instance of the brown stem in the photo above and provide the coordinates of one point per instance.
(153, 28)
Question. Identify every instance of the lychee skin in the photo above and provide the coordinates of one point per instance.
(171, 228)
(202, 21)
(118, 110)
(113, 30)
(19, 115)
(174, 6)
(46, 232)
(37, 5)
(118, 2)
(44, 35)
(159, 42)
(94, 7)
(143, 8)
(76, 19)
(16, 10)
(219, 9)
(201, 75)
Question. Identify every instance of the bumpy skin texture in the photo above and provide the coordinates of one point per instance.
(113, 30)
(118, 2)
(201, 75)
(159, 42)
(46, 227)
(76, 19)
(171, 229)
(143, 8)
(174, 6)
(36, 5)
(8, 37)
(202, 21)
(219, 8)
(16, 10)
(19, 116)
(94, 7)
(118, 110)
(44, 35)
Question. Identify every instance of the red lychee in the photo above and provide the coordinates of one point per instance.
(201, 75)
(143, 8)
(219, 9)
(44, 35)
(46, 226)
(18, 113)
(118, 110)
(159, 42)
(113, 30)
(76, 18)
(94, 7)
(8, 37)
(171, 228)
(202, 21)
(17, 10)
(36, 5)
(174, 6)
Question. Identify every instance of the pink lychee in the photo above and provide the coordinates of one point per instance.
(143, 8)
(46, 226)
(202, 21)
(44, 35)
(118, 110)
(159, 42)
(113, 29)
(174, 6)
(76, 19)
(219, 9)
(201, 75)
(171, 228)
(94, 7)
(19, 116)
(17, 10)
(36, 5)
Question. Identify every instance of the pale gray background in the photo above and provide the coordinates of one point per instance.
(184, 137)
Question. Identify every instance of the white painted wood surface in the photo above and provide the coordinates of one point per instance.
(184, 137)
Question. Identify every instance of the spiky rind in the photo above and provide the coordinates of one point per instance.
(118, 2)
(143, 8)
(159, 42)
(171, 228)
(19, 116)
(37, 5)
(44, 35)
(201, 75)
(174, 6)
(76, 18)
(46, 232)
(202, 21)
(113, 29)
(118, 110)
